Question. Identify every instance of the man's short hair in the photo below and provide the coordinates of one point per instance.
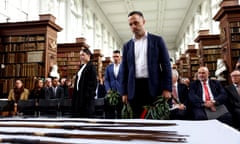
(116, 51)
(135, 12)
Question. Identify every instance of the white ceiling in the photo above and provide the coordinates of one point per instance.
(168, 18)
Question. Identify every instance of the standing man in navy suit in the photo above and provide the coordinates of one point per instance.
(145, 69)
(112, 82)
(206, 96)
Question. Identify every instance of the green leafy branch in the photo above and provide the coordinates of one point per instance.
(127, 112)
(113, 97)
(159, 110)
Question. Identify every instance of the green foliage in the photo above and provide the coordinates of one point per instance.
(113, 97)
(159, 110)
(127, 112)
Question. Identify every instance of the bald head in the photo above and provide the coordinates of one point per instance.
(203, 73)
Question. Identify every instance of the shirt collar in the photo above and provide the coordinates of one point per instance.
(175, 84)
(144, 37)
(206, 82)
(235, 85)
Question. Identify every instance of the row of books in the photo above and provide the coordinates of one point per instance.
(69, 55)
(16, 47)
(75, 59)
(22, 70)
(211, 51)
(211, 58)
(235, 37)
(235, 24)
(236, 53)
(23, 38)
(65, 63)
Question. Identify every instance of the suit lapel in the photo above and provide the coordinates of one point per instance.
(149, 50)
(131, 54)
(234, 92)
(200, 89)
(112, 71)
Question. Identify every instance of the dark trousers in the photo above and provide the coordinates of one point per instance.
(141, 98)
(178, 114)
(113, 112)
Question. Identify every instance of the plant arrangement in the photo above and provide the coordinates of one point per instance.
(113, 97)
(127, 112)
(159, 110)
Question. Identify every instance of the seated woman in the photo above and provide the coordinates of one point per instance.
(38, 91)
(18, 92)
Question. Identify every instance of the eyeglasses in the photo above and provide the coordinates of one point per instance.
(115, 56)
(235, 75)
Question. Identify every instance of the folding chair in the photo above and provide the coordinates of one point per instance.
(27, 107)
(49, 107)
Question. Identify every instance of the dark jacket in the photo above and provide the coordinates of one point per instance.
(195, 97)
(59, 93)
(111, 82)
(159, 67)
(83, 98)
(37, 94)
(233, 104)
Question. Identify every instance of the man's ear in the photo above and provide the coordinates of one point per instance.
(144, 21)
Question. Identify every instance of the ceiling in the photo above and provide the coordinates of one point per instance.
(168, 18)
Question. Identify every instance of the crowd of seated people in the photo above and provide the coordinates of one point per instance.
(201, 99)
(48, 93)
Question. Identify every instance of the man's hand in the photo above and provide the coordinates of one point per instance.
(181, 107)
(125, 99)
(166, 94)
(210, 105)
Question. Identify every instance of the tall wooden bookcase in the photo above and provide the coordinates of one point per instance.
(27, 50)
(229, 17)
(105, 63)
(183, 66)
(209, 50)
(192, 60)
(68, 57)
(97, 61)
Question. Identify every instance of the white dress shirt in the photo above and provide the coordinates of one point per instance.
(209, 90)
(80, 74)
(140, 51)
(116, 69)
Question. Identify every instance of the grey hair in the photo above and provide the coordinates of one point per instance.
(175, 73)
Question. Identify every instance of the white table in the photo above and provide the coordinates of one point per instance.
(200, 132)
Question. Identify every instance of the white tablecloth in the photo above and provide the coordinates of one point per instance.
(200, 132)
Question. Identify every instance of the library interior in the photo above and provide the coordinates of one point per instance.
(91, 64)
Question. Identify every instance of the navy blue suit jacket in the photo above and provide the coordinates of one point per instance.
(195, 97)
(111, 82)
(59, 93)
(182, 94)
(233, 104)
(159, 67)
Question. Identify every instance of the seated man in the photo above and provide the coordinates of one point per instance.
(233, 102)
(207, 98)
(55, 91)
(178, 102)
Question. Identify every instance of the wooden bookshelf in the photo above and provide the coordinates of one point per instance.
(27, 50)
(209, 50)
(105, 63)
(97, 61)
(192, 56)
(183, 66)
(68, 57)
(229, 18)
